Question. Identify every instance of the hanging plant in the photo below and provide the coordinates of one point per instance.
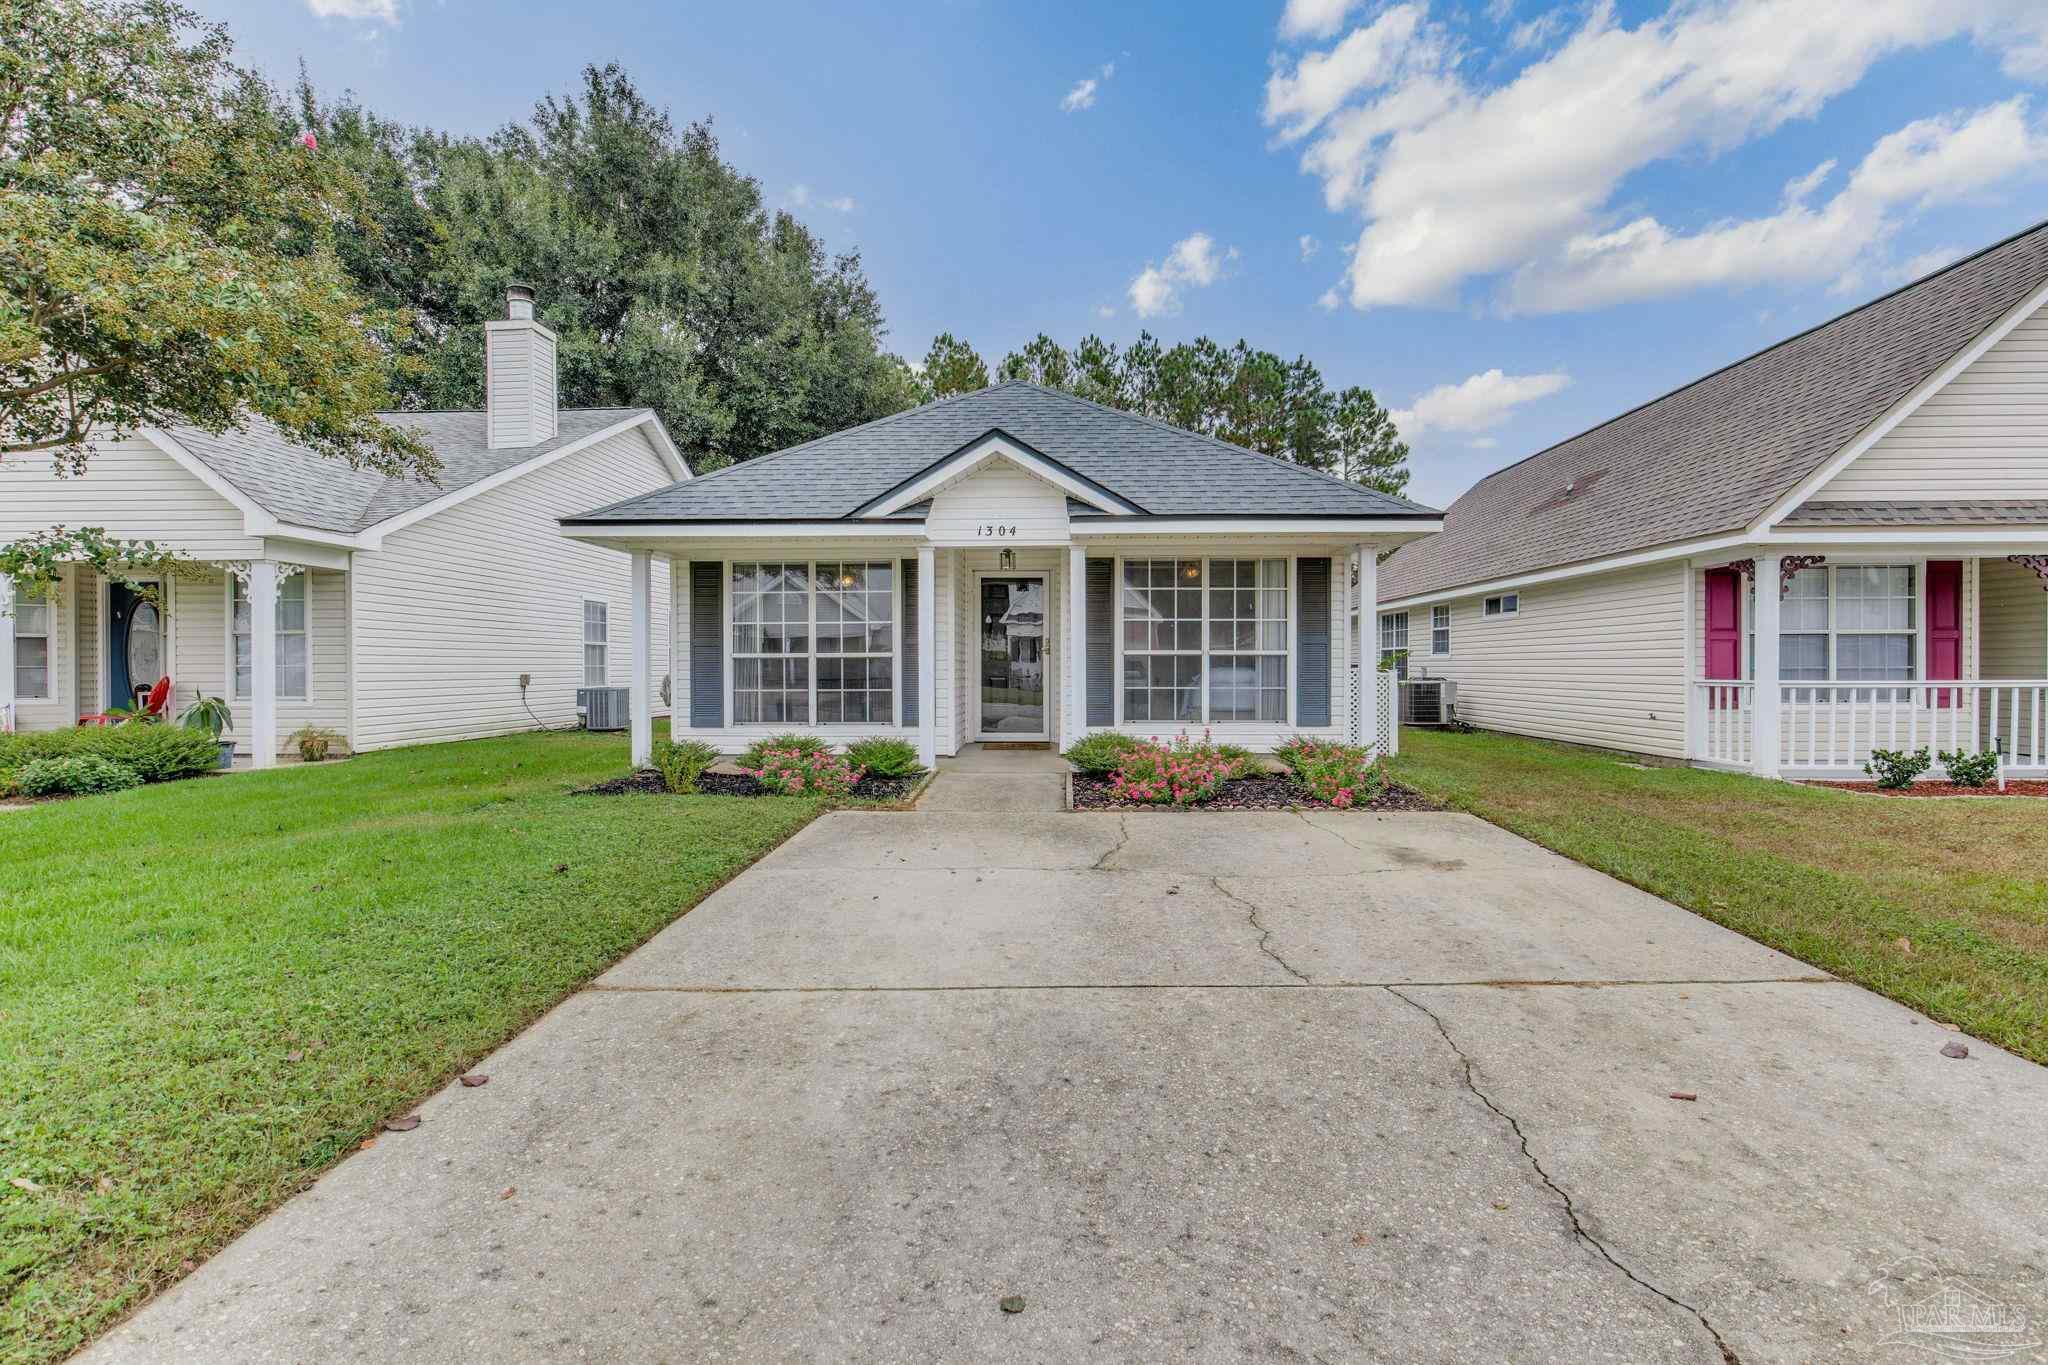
(36, 562)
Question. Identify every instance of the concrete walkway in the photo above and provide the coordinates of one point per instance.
(1209, 1087)
(981, 779)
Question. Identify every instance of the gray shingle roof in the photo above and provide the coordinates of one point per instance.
(304, 489)
(1983, 512)
(1713, 456)
(1161, 469)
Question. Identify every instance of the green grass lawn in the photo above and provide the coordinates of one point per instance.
(211, 990)
(1942, 905)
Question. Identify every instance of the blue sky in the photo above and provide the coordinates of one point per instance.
(1522, 219)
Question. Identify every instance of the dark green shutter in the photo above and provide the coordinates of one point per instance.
(707, 644)
(908, 683)
(1101, 680)
(1312, 640)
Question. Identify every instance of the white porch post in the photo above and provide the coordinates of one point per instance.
(7, 721)
(927, 655)
(1368, 674)
(1765, 726)
(642, 691)
(1077, 644)
(263, 663)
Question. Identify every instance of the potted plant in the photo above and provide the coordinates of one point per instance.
(312, 742)
(211, 714)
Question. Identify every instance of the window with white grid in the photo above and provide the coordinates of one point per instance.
(1162, 615)
(32, 646)
(1247, 639)
(856, 643)
(293, 645)
(596, 643)
(771, 643)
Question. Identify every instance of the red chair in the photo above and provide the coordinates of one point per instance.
(149, 708)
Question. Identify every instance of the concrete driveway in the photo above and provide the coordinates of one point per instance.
(1213, 1087)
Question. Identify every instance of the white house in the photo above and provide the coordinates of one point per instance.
(1837, 544)
(393, 611)
(1013, 564)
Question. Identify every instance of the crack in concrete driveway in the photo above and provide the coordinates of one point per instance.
(911, 1064)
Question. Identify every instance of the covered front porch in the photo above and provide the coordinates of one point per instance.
(1867, 647)
(270, 636)
(857, 632)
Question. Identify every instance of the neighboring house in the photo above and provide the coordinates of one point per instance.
(1010, 564)
(393, 611)
(1883, 477)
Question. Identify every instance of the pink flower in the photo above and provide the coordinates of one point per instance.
(309, 142)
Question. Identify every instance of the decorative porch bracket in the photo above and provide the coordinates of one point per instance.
(1788, 568)
(2038, 563)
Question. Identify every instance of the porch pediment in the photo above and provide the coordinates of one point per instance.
(992, 451)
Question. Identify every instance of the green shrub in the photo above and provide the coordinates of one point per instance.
(797, 740)
(1099, 754)
(75, 775)
(884, 757)
(1341, 774)
(1966, 769)
(1181, 773)
(1243, 762)
(805, 772)
(680, 765)
(1895, 768)
(28, 745)
(155, 753)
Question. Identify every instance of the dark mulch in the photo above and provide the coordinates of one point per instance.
(1272, 792)
(733, 784)
(2013, 787)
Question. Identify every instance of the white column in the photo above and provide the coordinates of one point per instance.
(1765, 727)
(1368, 653)
(642, 645)
(1077, 644)
(927, 655)
(7, 719)
(263, 663)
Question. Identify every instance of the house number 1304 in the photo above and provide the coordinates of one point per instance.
(997, 531)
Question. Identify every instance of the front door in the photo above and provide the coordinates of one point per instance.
(1013, 658)
(135, 644)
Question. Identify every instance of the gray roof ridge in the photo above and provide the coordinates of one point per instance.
(1216, 441)
(1762, 351)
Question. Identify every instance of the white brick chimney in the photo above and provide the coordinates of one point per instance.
(519, 375)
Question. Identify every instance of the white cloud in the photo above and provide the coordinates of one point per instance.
(1538, 31)
(1082, 96)
(843, 204)
(1929, 160)
(382, 11)
(1926, 262)
(1482, 401)
(1459, 180)
(1105, 311)
(1194, 261)
(799, 196)
(1483, 442)
(1314, 18)
(1309, 247)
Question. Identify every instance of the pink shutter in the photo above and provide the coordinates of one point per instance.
(1945, 624)
(1724, 624)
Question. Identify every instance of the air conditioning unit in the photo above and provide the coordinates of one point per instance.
(605, 708)
(1429, 701)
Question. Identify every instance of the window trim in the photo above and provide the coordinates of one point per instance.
(1498, 605)
(1403, 633)
(1444, 630)
(48, 636)
(861, 554)
(1917, 633)
(228, 634)
(1292, 587)
(604, 642)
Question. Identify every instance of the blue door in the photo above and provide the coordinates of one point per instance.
(135, 644)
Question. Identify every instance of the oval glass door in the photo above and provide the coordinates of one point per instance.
(145, 645)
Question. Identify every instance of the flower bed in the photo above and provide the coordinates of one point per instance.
(869, 788)
(2013, 787)
(1271, 791)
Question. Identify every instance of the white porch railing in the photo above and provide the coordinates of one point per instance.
(1831, 728)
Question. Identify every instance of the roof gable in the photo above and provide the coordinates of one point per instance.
(1144, 463)
(1718, 454)
(996, 446)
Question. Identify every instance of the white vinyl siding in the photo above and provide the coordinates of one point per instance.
(2015, 632)
(134, 491)
(1599, 660)
(998, 504)
(202, 657)
(520, 376)
(1981, 436)
(455, 607)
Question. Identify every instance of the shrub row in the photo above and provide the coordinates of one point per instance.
(1187, 772)
(151, 753)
